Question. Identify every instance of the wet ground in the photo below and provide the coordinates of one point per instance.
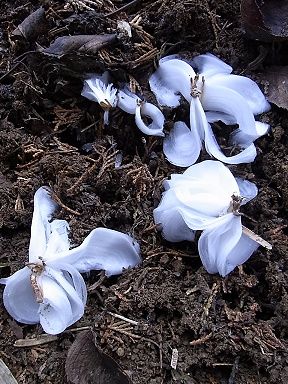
(231, 330)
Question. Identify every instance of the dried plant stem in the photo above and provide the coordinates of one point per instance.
(256, 238)
(123, 318)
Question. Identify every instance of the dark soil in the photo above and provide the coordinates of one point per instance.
(50, 135)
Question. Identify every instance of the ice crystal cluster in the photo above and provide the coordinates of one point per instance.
(206, 199)
(50, 289)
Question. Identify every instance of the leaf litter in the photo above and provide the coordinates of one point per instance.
(243, 315)
(86, 363)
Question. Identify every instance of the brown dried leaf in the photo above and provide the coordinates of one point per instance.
(277, 89)
(265, 20)
(6, 376)
(33, 26)
(86, 44)
(86, 364)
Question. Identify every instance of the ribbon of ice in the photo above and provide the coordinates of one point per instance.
(50, 289)
(230, 98)
(98, 89)
(130, 103)
(207, 197)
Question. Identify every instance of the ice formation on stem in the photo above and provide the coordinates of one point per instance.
(230, 98)
(50, 289)
(132, 104)
(97, 88)
(207, 198)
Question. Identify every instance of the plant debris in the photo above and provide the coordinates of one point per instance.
(265, 20)
(87, 364)
(34, 25)
(50, 135)
(82, 44)
(276, 78)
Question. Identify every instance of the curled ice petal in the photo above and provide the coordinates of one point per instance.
(55, 312)
(242, 139)
(223, 247)
(104, 249)
(198, 119)
(210, 65)
(63, 292)
(173, 226)
(73, 276)
(44, 208)
(76, 299)
(246, 87)
(248, 190)
(213, 116)
(221, 99)
(155, 128)
(247, 155)
(169, 219)
(58, 239)
(216, 174)
(182, 146)
(19, 299)
(131, 103)
(172, 79)
(127, 101)
(50, 290)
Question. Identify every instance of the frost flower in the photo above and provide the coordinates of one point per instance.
(98, 89)
(207, 197)
(50, 290)
(213, 94)
(132, 104)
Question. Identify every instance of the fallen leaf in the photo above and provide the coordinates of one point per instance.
(86, 44)
(6, 376)
(86, 364)
(277, 88)
(16, 329)
(33, 26)
(265, 20)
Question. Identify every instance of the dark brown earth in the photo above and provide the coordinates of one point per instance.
(231, 330)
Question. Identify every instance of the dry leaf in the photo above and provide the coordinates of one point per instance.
(33, 26)
(86, 44)
(277, 89)
(265, 20)
(6, 376)
(86, 364)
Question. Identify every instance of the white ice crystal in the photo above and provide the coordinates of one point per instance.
(50, 289)
(207, 198)
(213, 94)
(97, 88)
(129, 102)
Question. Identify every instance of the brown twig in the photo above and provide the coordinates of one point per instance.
(62, 205)
(123, 8)
(202, 340)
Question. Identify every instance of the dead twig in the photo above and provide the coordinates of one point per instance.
(123, 8)
(123, 318)
(202, 340)
(256, 238)
(62, 205)
(42, 339)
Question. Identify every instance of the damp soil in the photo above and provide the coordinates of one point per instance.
(231, 330)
